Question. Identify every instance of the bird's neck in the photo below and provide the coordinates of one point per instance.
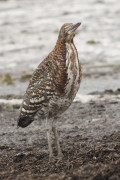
(60, 46)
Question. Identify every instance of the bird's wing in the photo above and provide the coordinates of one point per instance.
(35, 98)
(46, 82)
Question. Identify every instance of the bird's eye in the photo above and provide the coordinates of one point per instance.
(65, 27)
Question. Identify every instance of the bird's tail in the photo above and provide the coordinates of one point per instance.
(24, 121)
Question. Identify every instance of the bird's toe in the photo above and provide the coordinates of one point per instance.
(60, 156)
(52, 159)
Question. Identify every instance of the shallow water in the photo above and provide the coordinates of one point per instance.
(29, 30)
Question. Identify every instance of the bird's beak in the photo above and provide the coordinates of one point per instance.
(73, 27)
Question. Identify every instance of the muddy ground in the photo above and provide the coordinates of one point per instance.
(90, 140)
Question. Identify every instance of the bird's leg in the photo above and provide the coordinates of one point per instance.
(48, 129)
(60, 154)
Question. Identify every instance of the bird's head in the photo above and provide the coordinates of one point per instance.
(67, 31)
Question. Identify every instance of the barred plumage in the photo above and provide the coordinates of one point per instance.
(55, 82)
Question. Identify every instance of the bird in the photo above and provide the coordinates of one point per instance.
(53, 86)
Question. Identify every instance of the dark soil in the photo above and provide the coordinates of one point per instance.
(90, 140)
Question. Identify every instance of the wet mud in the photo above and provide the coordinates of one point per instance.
(89, 136)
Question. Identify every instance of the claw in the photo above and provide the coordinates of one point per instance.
(60, 156)
(51, 159)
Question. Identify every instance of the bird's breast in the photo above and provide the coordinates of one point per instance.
(73, 71)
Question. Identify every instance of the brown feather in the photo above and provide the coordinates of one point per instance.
(55, 82)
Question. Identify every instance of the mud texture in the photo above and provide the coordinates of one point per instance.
(89, 136)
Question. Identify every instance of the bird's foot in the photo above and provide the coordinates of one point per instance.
(60, 156)
(51, 159)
